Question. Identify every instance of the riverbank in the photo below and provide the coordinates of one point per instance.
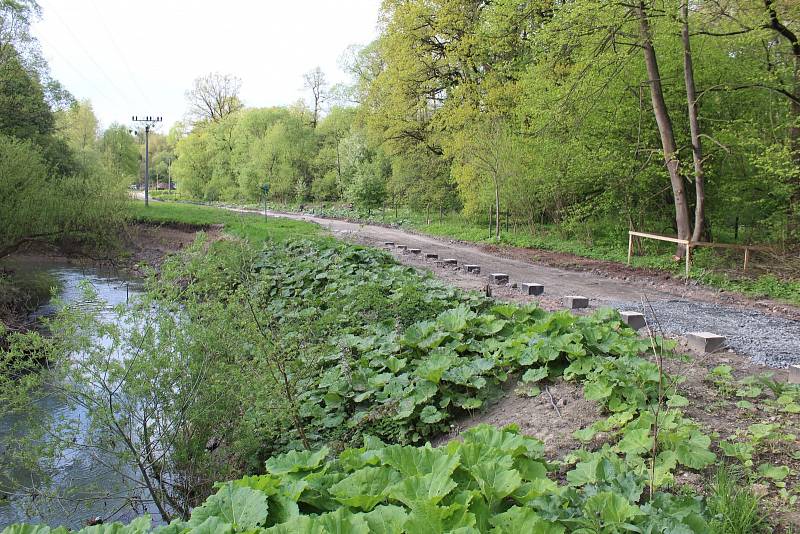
(373, 348)
(144, 244)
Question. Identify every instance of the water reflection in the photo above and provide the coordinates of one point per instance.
(94, 487)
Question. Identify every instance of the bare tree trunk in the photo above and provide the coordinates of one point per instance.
(694, 127)
(497, 208)
(794, 109)
(664, 127)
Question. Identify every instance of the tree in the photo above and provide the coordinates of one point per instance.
(120, 154)
(661, 114)
(78, 126)
(24, 113)
(314, 81)
(694, 126)
(491, 154)
(213, 97)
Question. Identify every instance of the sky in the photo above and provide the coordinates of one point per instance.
(139, 57)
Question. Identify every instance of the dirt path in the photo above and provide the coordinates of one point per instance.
(768, 334)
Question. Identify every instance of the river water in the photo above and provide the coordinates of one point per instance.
(76, 469)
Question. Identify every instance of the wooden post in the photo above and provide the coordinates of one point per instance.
(490, 221)
(746, 258)
(688, 253)
(506, 221)
(630, 247)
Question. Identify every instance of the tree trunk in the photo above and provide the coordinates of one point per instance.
(497, 208)
(794, 111)
(664, 128)
(694, 127)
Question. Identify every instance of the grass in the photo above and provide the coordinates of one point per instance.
(248, 226)
(733, 505)
(710, 267)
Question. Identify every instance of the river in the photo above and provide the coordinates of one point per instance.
(78, 473)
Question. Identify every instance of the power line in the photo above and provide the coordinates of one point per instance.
(77, 71)
(102, 71)
(120, 54)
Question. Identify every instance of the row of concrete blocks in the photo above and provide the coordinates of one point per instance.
(529, 288)
(705, 342)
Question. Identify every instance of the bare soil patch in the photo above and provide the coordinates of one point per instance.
(150, 244)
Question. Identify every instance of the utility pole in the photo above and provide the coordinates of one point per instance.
(149, 123)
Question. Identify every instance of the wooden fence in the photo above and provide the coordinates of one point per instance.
(692, 244)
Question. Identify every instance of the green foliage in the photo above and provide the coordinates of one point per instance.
(84, 210)
(491, 481)
(301, 348)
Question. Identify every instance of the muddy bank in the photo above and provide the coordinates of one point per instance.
(144, 247)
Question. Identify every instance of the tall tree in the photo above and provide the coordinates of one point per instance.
(661, 114)
(314, 81)
(694, 126)
(213, 97)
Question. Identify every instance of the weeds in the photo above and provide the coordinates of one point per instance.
(734, 508)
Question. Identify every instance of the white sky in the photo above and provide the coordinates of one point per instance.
(138, 57)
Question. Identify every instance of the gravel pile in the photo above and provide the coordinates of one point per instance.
(767, 339)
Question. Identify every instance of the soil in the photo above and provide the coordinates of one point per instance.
(150, 244)
(146, 246)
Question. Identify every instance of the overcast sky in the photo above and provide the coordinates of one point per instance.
(139, 57)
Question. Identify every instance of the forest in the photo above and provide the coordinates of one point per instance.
(668, 117)
(246, 371)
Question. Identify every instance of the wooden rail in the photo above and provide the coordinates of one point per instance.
(691, 244)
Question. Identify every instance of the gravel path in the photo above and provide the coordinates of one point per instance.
(767, 339)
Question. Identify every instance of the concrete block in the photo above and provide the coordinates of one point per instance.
(431, 256)
(402, 247)
(633, 319)
(532, 289)
(794, 374)
(499, 278)
(414, 250)
(705, 341)
(450, 261)
(575, 302)
(388, 243)
(474, 269)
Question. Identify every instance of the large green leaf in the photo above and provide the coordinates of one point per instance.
(636, 441)
(455, 319)
(694, 452)
(597, 390)
(388, 519)
(495, 482)
(239, 506)
(412, 461)
(517, 520)
(421, 490)
(366, 487)
(213, 525)
(294, 461)
(434, 366)
(612, 508)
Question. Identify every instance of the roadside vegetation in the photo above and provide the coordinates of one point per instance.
(316, 370)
